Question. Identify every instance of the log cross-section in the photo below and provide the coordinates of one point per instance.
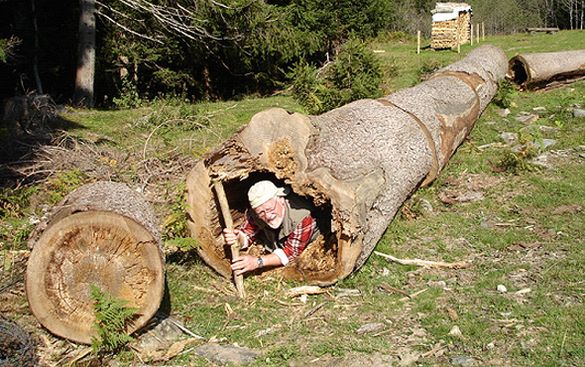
(102, 234)
(357, 163)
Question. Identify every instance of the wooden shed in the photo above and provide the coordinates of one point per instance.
(451, 24)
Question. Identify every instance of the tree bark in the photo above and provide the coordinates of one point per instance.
(357, 163)
(541, 70)
(84, 79)
(103, 234)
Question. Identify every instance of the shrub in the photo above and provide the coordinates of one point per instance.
(354, 74)
(505, 94)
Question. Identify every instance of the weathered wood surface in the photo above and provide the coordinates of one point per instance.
(549, 30)
(103, 234)
(539, 70)
(358, 163)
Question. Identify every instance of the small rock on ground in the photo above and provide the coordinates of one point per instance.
(224, 354)
(508, 137)
(578, 112)
(527, 119)
(462, 361)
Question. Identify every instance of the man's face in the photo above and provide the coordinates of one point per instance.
(271, 212)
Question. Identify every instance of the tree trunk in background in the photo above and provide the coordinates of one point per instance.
(357, 163)
(543, 70)
(37, 49)
(102, 234)
(84, 79)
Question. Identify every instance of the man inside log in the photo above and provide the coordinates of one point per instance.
(285, 224)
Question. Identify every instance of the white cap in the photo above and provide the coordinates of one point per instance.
(262, 191)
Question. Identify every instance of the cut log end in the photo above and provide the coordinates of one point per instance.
(518, 72)
(109, 250)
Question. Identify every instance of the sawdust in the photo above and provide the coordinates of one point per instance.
(319, 256)
(281, 158)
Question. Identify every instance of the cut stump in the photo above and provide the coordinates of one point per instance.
(357, 163)
(103, 234)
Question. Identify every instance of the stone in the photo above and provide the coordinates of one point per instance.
(504, 112)
(501, 288)
(509, 138)
(548, 129)
(225, 354)
(578, 112)
(161, 336)
(455, 331)
(547, 143)
(527, 119)
(462, 361)
(539, 109)
(426, 206)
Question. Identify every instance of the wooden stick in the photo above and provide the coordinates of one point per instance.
(477, 32)
(418, 42)
(483, 31)
(229, 223)
(415, 294)
(305, 289)
(425, 263)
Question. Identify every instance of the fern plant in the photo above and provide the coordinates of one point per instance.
(112, 316)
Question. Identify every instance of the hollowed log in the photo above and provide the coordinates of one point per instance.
(541, 70)
(103, 234)
(357, 163)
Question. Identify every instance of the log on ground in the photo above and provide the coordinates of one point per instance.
(357, 163)
(103, 234)
(541, 70)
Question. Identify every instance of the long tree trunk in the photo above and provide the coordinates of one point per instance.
(102, 234)
(357, 163)
(84, 79)
(542, 70)
(38, 82)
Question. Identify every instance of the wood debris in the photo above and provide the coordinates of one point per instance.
(306, 289)
(425, 263)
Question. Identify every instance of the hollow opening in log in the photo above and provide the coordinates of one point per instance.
(318, 262)
(519, 73)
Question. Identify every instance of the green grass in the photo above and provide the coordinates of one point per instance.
(541, 327)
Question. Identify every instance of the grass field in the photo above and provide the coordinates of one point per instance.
(523, 231)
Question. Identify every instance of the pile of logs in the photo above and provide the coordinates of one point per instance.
(448, 33)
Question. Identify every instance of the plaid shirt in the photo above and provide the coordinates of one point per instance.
(294, 243)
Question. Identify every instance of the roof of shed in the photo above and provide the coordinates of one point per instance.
(448, 11)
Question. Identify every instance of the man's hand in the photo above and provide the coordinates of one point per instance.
(232, 236)
(244, 264)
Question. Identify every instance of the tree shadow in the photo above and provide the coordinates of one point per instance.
(28, 123)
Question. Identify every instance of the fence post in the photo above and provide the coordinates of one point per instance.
(477, 32)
